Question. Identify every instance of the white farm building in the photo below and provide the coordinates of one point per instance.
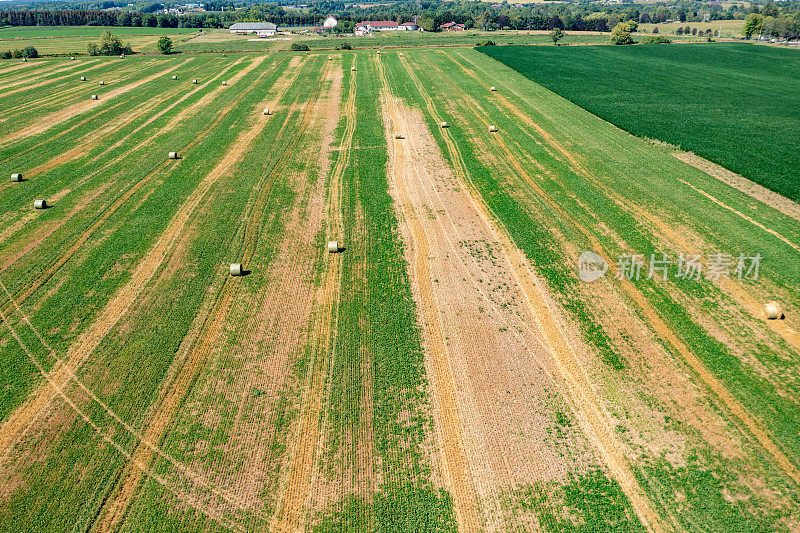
(263, 29)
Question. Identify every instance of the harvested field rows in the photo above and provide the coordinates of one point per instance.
(442, 368)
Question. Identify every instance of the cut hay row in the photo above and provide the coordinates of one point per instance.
(230, 117)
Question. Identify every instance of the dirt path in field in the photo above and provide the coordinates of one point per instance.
(15, 426)
(200, 340)
(592, 418)
(295, 498)
(45, 123)
(652, 316)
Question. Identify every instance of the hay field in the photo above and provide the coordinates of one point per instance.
(448, 369)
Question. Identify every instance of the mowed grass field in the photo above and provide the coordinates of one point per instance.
(734, 104)
(447, 370)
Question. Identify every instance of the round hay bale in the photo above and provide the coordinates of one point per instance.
(333, 247)
(194, 82)
(40, 204)
(16, 177)
(444, 125)
(24, 59)
(72, 58)
(173, 155)
(398, 135)
(224, 83)
(122, 56)
(94, 97)
(83, 78)
(330, 58)
(379, 52)
(492, 88)
(773, 311)
(401, 54)
(236, 269)
(492, 128)
(267, 111)
(102, 83)
(174, 77)
(353, 69)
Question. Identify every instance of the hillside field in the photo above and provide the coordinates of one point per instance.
(734, 104)
(447, 368)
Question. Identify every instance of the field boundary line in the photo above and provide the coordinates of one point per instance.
(597, 427)
(662, 328)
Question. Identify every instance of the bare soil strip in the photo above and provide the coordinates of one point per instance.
(295, 499)
(661, 328)
(456, 466)
(192, 354)
(750, 188)
(593, 420)
(45, 123)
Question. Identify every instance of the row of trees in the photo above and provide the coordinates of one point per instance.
(783, 26)
(430, 14)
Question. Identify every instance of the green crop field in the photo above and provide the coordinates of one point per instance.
(445, 365)
(733, 104)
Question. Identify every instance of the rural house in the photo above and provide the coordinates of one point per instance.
(262, 29)
(452, 26)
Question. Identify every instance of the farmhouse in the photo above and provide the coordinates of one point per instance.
(452, 26)
(263, 29)
(362, 28)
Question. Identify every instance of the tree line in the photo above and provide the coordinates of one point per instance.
(781, 18)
